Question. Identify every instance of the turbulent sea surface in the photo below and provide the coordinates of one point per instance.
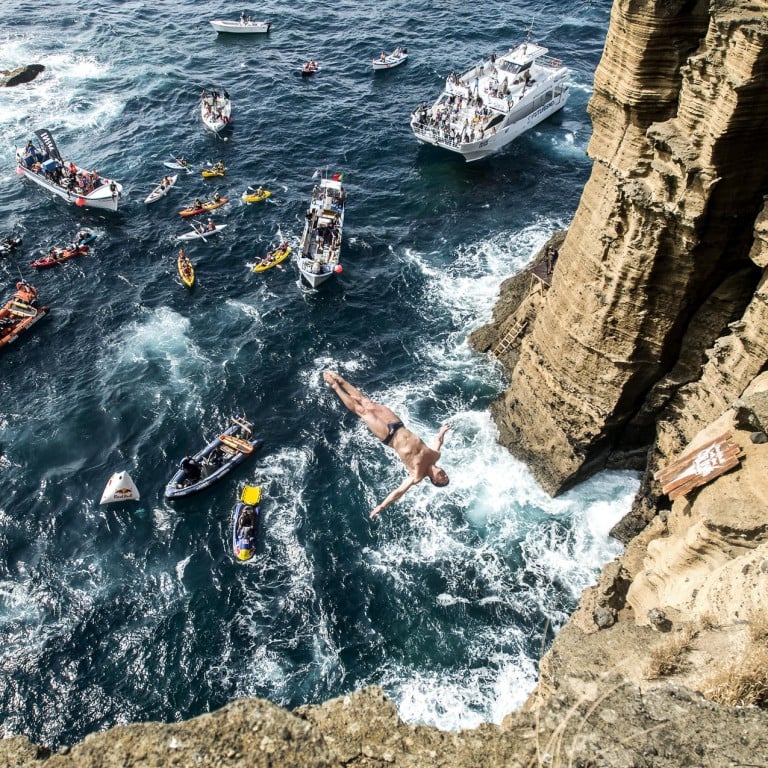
(139, 612)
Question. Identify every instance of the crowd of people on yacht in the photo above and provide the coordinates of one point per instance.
(455, 119)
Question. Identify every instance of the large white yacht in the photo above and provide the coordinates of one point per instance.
(484, 109)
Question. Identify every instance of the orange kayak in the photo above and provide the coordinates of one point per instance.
(209, 205)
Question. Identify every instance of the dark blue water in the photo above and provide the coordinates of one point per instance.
(139, 612)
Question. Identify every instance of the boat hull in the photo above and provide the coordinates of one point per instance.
(103, 198)
(320, 248)
(211, 205)
(481, 111)
(201, 236)
(389, 62)
(178, 489)
(161, 191)
(280, 255)
(241, 27)
(20, 313)
(216, 114)
(477, 150)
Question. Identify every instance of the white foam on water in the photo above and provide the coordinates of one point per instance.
(160, 341)
(528, 554)
(59, 98)
(291, 593)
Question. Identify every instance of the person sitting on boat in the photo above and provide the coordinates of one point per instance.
(198, 203)
(210, 226)
(246, 525)
(383, 56)
(216, 197)
(191, 469)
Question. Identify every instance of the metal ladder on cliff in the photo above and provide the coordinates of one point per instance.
(510, 337)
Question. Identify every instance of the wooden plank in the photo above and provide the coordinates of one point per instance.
(685, 458)
(236, 443)
(701, 462)
(698, 467)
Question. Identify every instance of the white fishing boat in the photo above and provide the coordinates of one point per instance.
(493, 103)
(389, 60)
(215, 110)
(44, 166)
(162, 189)
(320, 246)
(244, 26)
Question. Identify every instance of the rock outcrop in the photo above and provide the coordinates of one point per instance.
(20, 75)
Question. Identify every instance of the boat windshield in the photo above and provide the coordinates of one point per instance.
(512, 68)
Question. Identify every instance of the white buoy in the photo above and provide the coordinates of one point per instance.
(120, 488)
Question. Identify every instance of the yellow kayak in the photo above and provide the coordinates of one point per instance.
(273, 258)
(186, 270)
(256, 197)
(210, 173)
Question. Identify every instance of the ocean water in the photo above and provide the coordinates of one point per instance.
(116, 614)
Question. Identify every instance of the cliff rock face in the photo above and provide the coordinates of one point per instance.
(661, 254)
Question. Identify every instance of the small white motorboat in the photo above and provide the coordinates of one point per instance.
(44, 165)
(162, 189)
(389, 60)
(244, 26)
(215, 110)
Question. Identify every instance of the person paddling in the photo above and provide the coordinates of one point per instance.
(420, 460)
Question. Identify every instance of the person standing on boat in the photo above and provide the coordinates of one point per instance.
(420, 460)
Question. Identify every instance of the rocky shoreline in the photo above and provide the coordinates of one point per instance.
(648, 339)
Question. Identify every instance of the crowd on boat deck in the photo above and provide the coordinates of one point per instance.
(214, 104)
(64, 175)
(462, 114)
(456, 119)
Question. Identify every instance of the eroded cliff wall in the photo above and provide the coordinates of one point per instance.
(656, 263)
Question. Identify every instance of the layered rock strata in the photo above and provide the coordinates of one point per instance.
(656, 263)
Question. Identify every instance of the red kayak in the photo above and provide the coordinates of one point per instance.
(57, 255)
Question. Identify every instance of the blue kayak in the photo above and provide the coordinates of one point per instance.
(85, 237)
(246, 523)
(209, 465)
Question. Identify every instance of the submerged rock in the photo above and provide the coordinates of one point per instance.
(20, 75)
